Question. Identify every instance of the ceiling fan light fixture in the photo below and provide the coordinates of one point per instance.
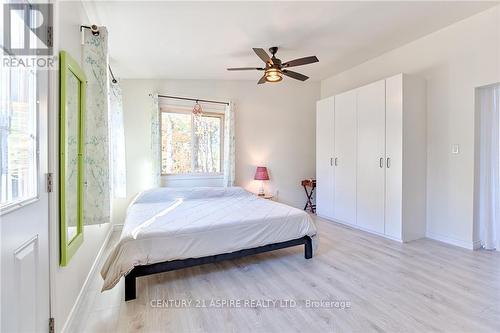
(273, 75)
(275, 68)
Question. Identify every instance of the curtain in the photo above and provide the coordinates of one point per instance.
(489, 183)
(229, 146)
(117, 141)
(96, 159)
(155, 140)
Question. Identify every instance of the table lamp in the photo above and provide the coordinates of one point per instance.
(261, 174)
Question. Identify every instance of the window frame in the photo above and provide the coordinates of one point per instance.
(35, 197)
(213, 114)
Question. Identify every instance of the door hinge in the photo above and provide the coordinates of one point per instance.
(51, 325)
(50, 37)
(49, 181)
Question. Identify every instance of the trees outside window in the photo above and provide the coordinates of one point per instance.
(191, 144)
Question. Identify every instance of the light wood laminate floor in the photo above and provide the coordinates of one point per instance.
(422, 286)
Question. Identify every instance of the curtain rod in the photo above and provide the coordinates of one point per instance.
(193, 99)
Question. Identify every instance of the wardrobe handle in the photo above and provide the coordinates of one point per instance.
(331, 161)
(336, 161)
(388, 162)
(381, 162)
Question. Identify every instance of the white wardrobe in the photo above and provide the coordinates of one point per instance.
(371, 157)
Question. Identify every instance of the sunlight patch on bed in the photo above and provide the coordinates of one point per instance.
(150, 221)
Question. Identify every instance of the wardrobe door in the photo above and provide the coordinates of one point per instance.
(345, 157)
(371, 157)
(324, 157)
(394, 157)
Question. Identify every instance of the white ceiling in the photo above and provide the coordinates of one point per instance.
(199, 40)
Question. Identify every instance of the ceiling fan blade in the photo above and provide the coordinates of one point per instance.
(245, 69)
(301, 61)
(262, 80)
(262, 55)
(295, 75)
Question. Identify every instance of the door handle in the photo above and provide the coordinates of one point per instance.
(381, 162)
(336, 161)
(388, 163)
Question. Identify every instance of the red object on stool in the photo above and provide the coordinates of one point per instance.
(261, 174)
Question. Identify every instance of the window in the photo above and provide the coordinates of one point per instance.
(191, 144)
(18, 133)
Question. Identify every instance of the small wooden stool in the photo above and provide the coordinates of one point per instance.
(306, 183)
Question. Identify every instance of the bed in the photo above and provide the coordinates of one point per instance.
(167, 229)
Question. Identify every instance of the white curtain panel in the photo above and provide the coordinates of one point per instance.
(489, 154)
(229, 146)
(96, 161)
(155, 141)
(117, 141)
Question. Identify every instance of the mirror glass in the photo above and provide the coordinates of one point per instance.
(72, 135)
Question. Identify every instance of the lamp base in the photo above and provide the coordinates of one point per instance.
(261, 189)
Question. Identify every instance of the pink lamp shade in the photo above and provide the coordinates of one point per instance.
(261, 173)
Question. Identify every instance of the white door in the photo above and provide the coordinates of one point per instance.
(394, 156)
(325, 119)
(345, 157)
(24, 201)
(371, 156)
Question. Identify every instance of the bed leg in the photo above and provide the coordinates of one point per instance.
(308, 247)
(129, 286)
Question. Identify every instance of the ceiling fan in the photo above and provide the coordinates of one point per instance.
(275, 68)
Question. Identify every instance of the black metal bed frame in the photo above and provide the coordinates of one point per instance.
(143, 270)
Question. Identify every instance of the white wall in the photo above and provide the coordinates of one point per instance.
(274, 124)
(68, 281)
(454, 61)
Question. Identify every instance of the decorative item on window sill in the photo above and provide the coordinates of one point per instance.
(197, 109)
(197, 112)
(261, 174)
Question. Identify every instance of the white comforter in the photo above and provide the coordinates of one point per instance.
(166, 224)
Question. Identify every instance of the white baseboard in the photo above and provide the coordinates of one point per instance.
(453, 241)
(445, 239)
(94, 267)
(476, 245)
(357, 227)
(117, 227)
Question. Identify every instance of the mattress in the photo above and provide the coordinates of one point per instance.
(165, 224)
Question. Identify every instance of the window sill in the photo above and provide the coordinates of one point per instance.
(192, 176)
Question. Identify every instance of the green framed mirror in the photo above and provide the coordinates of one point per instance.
(71, 149)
